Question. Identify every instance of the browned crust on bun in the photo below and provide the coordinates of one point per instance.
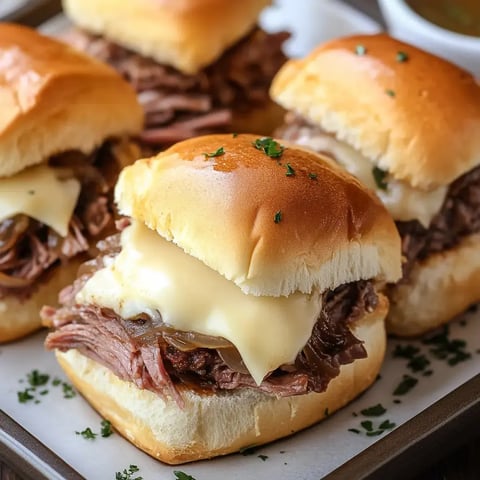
(247, 216)
(188, 35)
(21, 317)
(440, 288)
(56, 99)
(416, 116)
(225, 422)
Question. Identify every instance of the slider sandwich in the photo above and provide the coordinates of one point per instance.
(407, 124)
(63, 122)
(198, 66)
(238, 304)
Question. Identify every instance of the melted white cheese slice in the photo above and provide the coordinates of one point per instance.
(39, 193)
(402, 201)
(152, 274)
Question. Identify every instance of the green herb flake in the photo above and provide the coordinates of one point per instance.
(367, 425)
(278, 217)
(25, 396)
(43, 392)
(405, 351)
(418, 363)
(235, 135)
(387, 425)
(217, 153)
(37, 379)
(379, 176)
(56, 382)
(374, 433)
(290, 170)
(405, 385)
(68, 391)
(31, 192)
(106, 428)
(248, 450)
(87, 434)
(442, 347)
(397, 401)
(375, 411)
(402, 57)
(312, 176)
(263, 457)
(354, 430)
(182, 475)
(269, 146)
(326, 412)
(360, 50)
(390, 92)
(127, 474)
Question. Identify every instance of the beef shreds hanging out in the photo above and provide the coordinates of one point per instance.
(146, 351)
(29, 248)
(179, 106)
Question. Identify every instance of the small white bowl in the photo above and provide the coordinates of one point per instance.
(313, 22)
(407, 25)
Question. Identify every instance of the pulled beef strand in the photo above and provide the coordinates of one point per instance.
(127, 347)
(28, 248)
(179, 106)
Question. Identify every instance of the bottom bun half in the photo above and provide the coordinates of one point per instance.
(21, 317)
(217, 424)
(440, 288)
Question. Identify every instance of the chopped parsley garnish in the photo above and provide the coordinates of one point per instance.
(390, 92)
(106, 429)
(375, 411)
(370, 430)
(397, 400)
(68, 391)
(269, 146)
(312, 176)
(290, 170)
(87, 434)
(37, 379)
(360, 50)
(235, 135)
(25, 396)
(444, 348)
(56, 382)
(217, 153)
(277, 218)
(402, 57)
(182, 475)
(263, 457)
(31, 192)
(379, 176)
(127, 474)
(405, 351)
(418, 363)
(407, 383)
(248, 450)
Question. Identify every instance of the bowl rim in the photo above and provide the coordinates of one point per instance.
(440, 34)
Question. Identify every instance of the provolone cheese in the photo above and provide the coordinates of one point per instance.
(402, 201)
(39, 193)
(152, 274)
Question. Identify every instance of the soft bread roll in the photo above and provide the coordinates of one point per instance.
(55, 99)
(220, 423)
(188, 35)
(21, 317)
(439, 288)
(242, 191)
(398, 113)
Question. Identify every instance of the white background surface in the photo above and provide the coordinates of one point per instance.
(308, 455)
(7, 6)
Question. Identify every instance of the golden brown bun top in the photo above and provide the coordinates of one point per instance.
(55, 99)
(410, 112)
(269, 232)
(186, 34)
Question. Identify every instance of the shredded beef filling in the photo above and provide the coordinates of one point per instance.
(29, 249)
(179, 106)
(458, 217)
(142, 350)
